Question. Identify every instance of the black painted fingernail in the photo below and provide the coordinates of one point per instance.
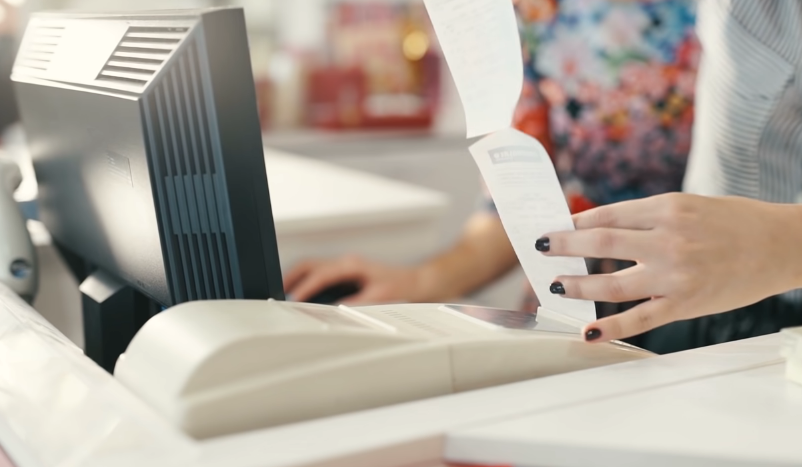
(592, 335)
(543, 245)
(557, 288)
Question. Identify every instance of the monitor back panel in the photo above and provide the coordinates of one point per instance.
(146, 144)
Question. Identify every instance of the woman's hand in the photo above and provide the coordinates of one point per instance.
(482, 254)
(695, 256)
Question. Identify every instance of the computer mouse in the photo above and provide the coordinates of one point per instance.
(334, 294)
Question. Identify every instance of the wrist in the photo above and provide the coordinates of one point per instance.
(789, 255)
(427, 280)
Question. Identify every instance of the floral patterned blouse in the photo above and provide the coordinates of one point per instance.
(609, 91)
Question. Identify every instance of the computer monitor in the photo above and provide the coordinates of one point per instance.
(146, 142)
(8, 106)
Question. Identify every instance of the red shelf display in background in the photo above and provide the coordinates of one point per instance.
(337, 98)
(382, 70)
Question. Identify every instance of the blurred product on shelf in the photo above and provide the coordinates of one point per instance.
(381, 68)
(265, 95)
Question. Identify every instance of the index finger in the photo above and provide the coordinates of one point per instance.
(640, 214)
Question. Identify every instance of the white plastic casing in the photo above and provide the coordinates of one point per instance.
(215, 368)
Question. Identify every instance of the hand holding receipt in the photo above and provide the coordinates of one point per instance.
(521, 178)
(482, 48)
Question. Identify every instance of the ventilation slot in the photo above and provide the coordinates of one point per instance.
(140, 54)
(188, 184)
(38, 47)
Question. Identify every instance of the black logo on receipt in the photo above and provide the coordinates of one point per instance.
(514, 154)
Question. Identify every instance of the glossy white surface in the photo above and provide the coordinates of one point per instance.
(751, 417)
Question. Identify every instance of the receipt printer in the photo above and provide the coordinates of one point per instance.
(215, 368)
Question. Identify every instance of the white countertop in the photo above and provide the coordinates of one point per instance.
(749, 417)
(420, 427)
(311, 195)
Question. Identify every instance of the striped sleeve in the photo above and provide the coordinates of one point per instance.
(747, 138)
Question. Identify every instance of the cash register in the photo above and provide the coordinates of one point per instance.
(146, 143)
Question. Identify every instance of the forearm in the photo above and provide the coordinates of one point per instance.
(482, 254)
(785, 247)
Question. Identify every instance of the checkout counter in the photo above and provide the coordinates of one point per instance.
(724, 405)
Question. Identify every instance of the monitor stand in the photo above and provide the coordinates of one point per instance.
(112, 312)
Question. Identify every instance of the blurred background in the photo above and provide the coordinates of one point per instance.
(325, 64)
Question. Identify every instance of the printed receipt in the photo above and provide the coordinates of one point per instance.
(483, 50)
(481, 45)
(530, 202)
